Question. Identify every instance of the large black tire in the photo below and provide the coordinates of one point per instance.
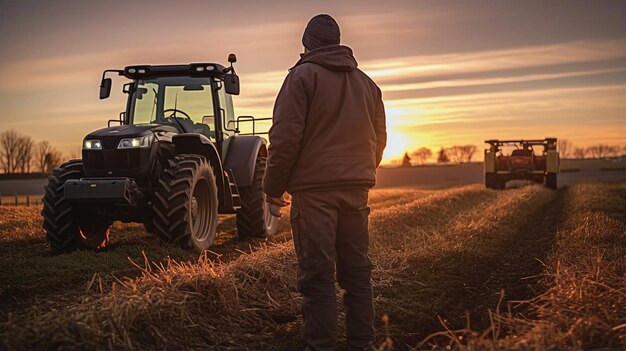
(185, 203)
(491, 180)
(550, 181)
(253, 218)
(68, 228)
(501, 184)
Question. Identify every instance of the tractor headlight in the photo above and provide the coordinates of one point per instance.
(132, 143)
(92, 145)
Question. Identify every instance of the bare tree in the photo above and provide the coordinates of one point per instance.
(422, 154)
(9, 143)
(580, 152)
(461, 153)
(42, 150)
(565, 147)
(468, 152)
(455, 153)
(602, 151)
(53, 159)
(24, 156)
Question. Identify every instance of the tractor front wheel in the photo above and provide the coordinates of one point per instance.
(69, 228)
(185, 205)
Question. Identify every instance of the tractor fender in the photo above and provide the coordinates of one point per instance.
(241, 157)
(199, 144)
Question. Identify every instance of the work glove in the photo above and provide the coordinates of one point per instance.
(276, 203)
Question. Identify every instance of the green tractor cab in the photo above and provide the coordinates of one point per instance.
(176, 160)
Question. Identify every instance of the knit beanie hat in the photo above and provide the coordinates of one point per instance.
(322, 30)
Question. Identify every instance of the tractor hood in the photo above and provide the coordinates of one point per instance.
(130, 131)
(110, 137)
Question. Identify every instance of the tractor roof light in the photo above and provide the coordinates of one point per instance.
(135, 71)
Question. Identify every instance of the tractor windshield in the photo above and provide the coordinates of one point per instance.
(185, 102)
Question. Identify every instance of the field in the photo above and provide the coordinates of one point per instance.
(461, 268)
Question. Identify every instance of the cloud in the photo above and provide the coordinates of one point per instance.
(484, 61)
(430, 99)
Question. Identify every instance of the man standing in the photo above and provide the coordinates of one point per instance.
(326, 142)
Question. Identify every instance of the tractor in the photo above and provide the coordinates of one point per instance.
(175, 161)
(523, 163)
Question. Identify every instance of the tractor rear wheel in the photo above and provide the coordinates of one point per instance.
(491, 180)
(254, 218)
(68, 228)
(550, 180)
(185, 203)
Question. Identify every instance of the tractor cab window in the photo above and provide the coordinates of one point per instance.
(226, 104)
(183, 102)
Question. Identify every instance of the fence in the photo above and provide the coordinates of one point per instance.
(20, 200)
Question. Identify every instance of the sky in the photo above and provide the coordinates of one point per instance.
(451, 72)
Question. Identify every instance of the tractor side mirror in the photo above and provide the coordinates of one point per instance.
(105, 88)
(231, 83)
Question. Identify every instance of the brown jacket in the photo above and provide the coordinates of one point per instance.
(328, 127)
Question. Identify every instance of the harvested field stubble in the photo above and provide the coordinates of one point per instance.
(435, 253)
(250, 300)
(458, 264)
(583, 303)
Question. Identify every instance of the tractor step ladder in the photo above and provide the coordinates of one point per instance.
(234, 191)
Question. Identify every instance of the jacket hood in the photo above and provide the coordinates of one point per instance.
(332, 57)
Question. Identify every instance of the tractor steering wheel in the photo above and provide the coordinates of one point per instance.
(173, 115)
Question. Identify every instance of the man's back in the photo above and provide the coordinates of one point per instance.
(331, 114)
(327, 139)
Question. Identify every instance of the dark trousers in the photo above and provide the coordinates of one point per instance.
(330, 231)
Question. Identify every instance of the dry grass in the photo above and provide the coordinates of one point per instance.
(583, 305)
(436, 253)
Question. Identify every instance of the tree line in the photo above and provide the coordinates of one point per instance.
(568, 150)
(21, 154)
(466, 153)
(454, 154)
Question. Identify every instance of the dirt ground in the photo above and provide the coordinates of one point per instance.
(445, 260)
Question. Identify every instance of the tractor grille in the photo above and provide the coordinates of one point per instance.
(109, 142)
(111, 159)
(125, 159)
(93, 159)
